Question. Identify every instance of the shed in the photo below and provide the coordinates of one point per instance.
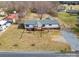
(11, 17)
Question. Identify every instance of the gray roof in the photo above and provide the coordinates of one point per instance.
(32, 22)
(44, 21)
(49, 21)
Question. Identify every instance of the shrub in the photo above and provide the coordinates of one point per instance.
(2, 15)
(32, 44)
(64, 51)
(21, 26)
(15, 45)
(34, 10)
(0, 44)
(75, 29)
(10, 10)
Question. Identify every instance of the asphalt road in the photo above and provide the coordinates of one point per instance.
(38, 54)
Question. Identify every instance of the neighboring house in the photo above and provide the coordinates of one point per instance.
(70, 2)
(73, 11)
(11, 17)
(4, 24)
(61, 8)
(41, 24)
(2, 12)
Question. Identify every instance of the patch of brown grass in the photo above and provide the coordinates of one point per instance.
(33, 41)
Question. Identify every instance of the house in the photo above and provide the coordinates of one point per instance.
(11, 17)
(69, 2)
(73, 11)
(41, 24)
(4, 24)
(2, 12)
(61, 8)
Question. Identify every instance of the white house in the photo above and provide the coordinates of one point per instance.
(42, 24)
(2, 12)
(4, 24)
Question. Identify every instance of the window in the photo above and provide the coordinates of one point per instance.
(27, 25)
(50, 24)
(43, 25)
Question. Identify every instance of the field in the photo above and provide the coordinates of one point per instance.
(14, 39)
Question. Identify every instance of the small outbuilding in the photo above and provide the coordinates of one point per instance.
(11, 17)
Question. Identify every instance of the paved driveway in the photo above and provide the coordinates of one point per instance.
(71, 39)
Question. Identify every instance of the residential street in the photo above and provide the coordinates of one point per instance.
(38, 54)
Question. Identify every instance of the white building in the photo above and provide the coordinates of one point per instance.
(4, 24)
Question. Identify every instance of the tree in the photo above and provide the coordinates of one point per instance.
(23, 8)
(44, 7)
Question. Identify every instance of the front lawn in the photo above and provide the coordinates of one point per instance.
(15, 39)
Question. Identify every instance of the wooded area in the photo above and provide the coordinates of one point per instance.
(24, 8)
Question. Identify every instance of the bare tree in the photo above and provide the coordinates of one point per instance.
(23, 7)
(44, 7)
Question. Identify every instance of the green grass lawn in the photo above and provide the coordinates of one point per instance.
(67, 18)
(11, 40)
(1, 18)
